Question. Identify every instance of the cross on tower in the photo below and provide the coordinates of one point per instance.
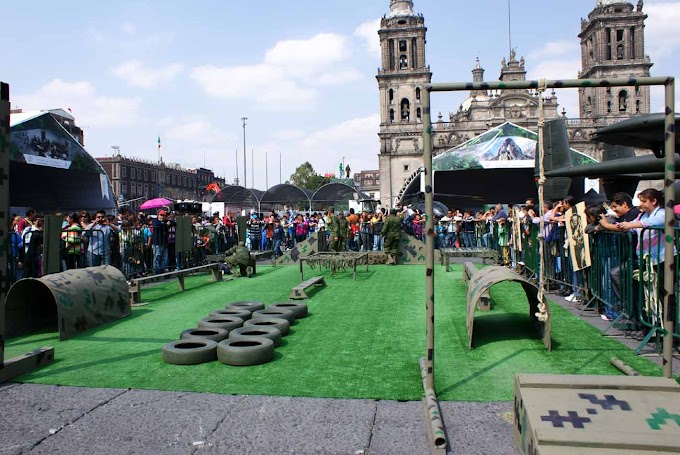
(572, 417)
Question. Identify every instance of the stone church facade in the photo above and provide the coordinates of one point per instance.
(612, 44)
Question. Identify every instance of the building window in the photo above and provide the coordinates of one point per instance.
(609, 90)
(153, 176)
(402, 45)
(174, 179)
(620, 50)
(146, 175)
(139, 174)
(405, 167)
(133, 191)
(637, 106)
(414, 52)
(608, 31)
(609, 107)
(392, 115)
(123, 171)
(123, 188)
(146, 189)
(167, 179)
(623, 101)
(418, 113)
(391, 96)
(417, 93)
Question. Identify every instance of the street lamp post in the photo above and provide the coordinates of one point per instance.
(245, 178)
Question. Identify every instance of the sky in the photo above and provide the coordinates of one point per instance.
(302, 71)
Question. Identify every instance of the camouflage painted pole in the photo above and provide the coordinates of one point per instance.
(669, 302)
(432, 412)
(429, 238)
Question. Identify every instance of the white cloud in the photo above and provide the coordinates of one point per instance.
(128, 28)
(287, 78)
(356, 140)
(90, 108)
(368, 31)
(554, 49)
(661, 29)
(136, 74)
(308, 57)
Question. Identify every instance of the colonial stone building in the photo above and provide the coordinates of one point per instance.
(135, 179)
(612, 44)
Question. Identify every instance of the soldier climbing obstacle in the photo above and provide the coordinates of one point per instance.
(238, 258)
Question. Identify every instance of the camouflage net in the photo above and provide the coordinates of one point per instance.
(335, 262)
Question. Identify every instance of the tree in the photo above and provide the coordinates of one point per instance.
(306, 177)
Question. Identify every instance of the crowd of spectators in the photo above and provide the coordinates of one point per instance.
(140, 244)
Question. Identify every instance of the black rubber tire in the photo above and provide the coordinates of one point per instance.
(235, 312)
(299, 309)
(270, 332)
(247, 305)
(223, 322)
(205, 333)
(283, 314)
(189, 352)
(279, 323)
(245, 351)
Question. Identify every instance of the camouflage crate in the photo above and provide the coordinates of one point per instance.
(567, 414)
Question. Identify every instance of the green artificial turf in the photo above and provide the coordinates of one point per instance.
(361, 339)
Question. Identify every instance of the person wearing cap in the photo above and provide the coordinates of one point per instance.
(339, 228)
(159, 242)
(391, 233)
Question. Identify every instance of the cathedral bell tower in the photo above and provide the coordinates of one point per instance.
(401, 78)
(613, 45)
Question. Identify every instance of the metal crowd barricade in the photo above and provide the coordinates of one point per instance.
(649, 277)
(610, 277)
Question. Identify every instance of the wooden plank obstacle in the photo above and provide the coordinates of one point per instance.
(136, 285)
(298, 292)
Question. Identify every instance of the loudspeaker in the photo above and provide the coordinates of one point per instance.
(557, 154)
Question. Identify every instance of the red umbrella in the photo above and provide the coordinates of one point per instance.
(156, 203)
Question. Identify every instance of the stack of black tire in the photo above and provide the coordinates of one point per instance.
(243, 333)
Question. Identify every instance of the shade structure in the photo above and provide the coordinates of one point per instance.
(642, 131)
(286, 193)
(238, 196)
(496, 166)
(50, 170)
(337, 191)
(156, 203)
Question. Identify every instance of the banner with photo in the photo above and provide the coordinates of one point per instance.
(578, 241)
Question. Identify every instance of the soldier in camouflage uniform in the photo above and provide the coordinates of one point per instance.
(238, 258)
(339, 228)
(391, 231)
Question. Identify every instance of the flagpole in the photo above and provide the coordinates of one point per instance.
(236, 154)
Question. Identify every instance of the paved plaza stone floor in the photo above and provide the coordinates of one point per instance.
(47, 419)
